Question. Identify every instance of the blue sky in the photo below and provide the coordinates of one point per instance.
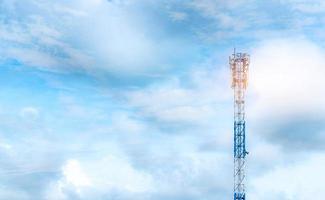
(131, 99)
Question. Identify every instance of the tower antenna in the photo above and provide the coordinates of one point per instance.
(239, 63)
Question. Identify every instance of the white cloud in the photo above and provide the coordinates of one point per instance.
(195, 174)
(116, 173)
(121, 40)
(286, 76)
(222, 11)
(285, 84)
(122, 123)
(172, 102)
(74, 175)
(86, 35)
(300, 181)
(99, 177)
(33, 58)
(36, 42)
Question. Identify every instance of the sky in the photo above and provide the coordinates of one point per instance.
(132, 100)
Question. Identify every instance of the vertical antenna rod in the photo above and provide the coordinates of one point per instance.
(239, 63)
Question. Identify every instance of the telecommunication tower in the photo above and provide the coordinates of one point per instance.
(239, 63)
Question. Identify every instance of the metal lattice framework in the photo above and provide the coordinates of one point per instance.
(239, 63)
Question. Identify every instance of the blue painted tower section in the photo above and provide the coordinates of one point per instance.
(239, 63)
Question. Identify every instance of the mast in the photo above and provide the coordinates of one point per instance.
(239, 63)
